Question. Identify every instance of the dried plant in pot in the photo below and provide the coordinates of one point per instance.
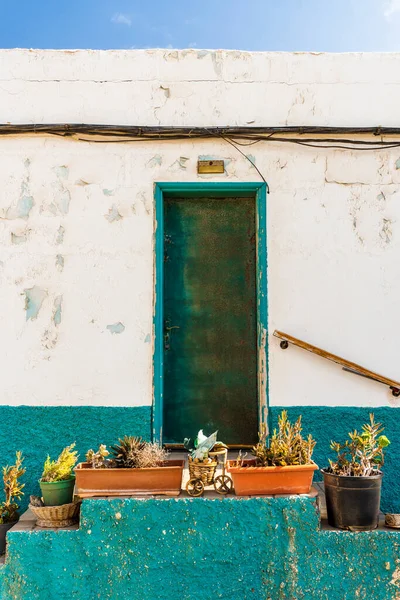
(12, 491)
(133, 467)
(58, 480)
(353, 481)
(281, 465)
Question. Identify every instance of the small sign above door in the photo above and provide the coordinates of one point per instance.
(210, 166)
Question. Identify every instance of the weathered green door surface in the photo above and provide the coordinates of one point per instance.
(210, 319)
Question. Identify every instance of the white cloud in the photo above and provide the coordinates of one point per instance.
(391, 7)
(121, 19)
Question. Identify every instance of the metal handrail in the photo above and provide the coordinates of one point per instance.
(346, 365)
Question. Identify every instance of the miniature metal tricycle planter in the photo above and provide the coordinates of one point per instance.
(202, 474)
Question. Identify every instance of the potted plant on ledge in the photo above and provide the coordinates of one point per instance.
(203, 462)
(353, 482)
(57, 481)
(134, 467)
(12, 491)
(282, 465)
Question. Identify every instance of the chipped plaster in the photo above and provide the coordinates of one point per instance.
(333, 216)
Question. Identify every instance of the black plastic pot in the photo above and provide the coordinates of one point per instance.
(353, 502)
(4, 527)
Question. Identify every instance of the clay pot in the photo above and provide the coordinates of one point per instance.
(164, 480)
(249, 480)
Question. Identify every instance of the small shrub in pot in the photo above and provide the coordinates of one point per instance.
(281, 465)
(12, 492)
(133, 467)
(58, 480)
(133, 453)
(353, 481)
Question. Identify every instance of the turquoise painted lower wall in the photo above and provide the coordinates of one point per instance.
(39, 430)
(186, 549)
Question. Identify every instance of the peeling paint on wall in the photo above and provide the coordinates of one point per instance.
(60, 262)
(25, 201)
(147, 339)
(155, 161)
(19, 238)
(33, 301)
(142, 198)
(386, 231)
(116, 327)
(60, 235)
(49, 340)
(62, 195)
(57, 310)
(166, 90)
(107, 192)
(113, 214)
(180, 164)
(61, 203)
(62, 172)
(24, 206)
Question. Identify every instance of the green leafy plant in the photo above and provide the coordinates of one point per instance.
(133, 453)
(60, 469)
(202, 446)
(362, 455)
(285, 447)
(12, 490)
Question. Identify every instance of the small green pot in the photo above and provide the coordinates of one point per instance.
(55, 493)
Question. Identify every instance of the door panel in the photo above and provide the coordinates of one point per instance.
(210, 319)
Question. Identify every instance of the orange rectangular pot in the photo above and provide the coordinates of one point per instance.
(249, 480)
(164, 480)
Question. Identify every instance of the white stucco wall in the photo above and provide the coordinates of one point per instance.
(76, 218)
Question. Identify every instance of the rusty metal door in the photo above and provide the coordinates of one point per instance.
(210, 319)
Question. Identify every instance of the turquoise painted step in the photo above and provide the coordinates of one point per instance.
(191, 548)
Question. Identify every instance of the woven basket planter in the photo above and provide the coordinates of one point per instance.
(56, 516)
(204, 472)
(392, 520)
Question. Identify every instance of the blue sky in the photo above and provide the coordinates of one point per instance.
(320, 25)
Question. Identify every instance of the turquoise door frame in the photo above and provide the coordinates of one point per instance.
(199, 190)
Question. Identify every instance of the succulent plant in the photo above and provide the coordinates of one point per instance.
(286, 446)
(98, 460)
(133, 453)
(362, 455)
(126, 452)
(12, 490)
(202, 446)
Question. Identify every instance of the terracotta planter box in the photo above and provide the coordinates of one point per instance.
(250, 480)
(165, 480)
